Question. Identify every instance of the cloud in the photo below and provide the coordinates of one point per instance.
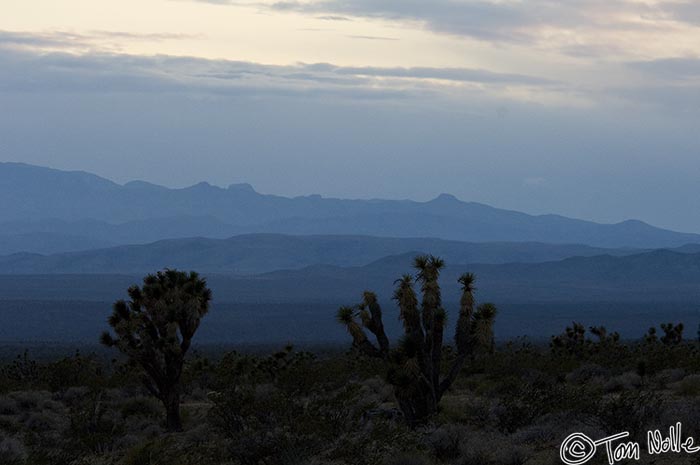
(685, 12)
(90, 40)
(447, 74)
(675, 69)
(580, 28)
(484, 20)
(361, 37)
(489, 20)
(333, 18)
(681, 100)
(38, 60)
(53, 39)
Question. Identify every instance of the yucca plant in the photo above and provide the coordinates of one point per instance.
(413, 368)
(572, 340)
(673, 334)
(604, 338)
(155, 330)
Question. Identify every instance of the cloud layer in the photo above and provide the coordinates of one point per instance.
(48, 61)
(570, 26)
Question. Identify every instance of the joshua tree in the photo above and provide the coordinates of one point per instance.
(603, 337)
(572, 340)
(650, 337)
(673, 335)
(155, 329)
(414, 367)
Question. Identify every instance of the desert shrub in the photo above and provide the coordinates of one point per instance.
(290, 408)
(42, 422)
(685, 410)
(668, 376)
(72, 372)
(48, 450)
(406, 459)
(373, 443)
(379, 388)
(23, 372)
(12, 451)
(688, 386)
(465, 409)
(623, 382)
(283, 367)
(73, 395)
(521, 404)
(29, 400)
(169, 450)
(470, 447)
(8, 406)
(660, 357)
(586, 373)
(265, 422)
(198, 374)
(631, 411)
(544, 430)
(94, 424)
(140, 406)
(444, 443)
(10, 424)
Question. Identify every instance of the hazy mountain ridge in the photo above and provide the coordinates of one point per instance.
(99, 234)
(29, 193)
(657, 276)
(538, 299)
(259, 253)
(48, 243)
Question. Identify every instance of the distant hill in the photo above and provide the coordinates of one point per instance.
(142, 212)
(47, 236)
(657, 276)
(48, 242)
(627, 293)
(258, 253)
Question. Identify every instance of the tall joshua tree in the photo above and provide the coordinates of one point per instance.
(414, 367)
(155, 329)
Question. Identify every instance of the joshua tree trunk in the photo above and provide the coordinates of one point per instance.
(171, 401)
(416, 405)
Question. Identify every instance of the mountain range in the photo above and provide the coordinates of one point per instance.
(74, 206)
(72, 242)
(626, 293)
(259, 253)
(657, 275)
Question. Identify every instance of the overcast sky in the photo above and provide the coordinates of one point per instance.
(587, 108)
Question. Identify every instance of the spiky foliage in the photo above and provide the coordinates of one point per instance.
(413, 368)
(572, 340)
(603, 336)
(155, 330)
(673, 334)
(650, 337)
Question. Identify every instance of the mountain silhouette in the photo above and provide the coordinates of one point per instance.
(139, 210)
(259, 253)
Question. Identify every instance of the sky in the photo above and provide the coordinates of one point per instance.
(586, 108)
